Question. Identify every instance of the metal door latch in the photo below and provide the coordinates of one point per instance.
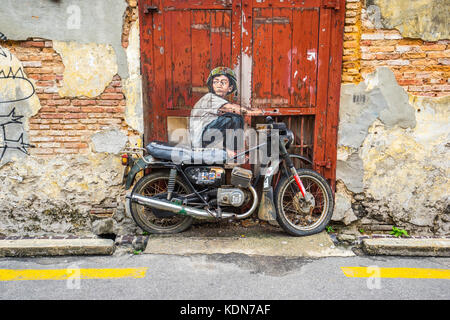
(333, 4)
(325, 164)
(151, 9)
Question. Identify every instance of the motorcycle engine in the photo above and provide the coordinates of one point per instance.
(203, 175)
(230, 197)
(235, 197)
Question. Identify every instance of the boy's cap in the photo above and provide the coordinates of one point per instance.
(222, 71)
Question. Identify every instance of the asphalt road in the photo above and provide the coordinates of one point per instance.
(229, 277)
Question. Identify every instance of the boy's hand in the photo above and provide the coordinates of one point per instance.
(230, 107)
(253, 112)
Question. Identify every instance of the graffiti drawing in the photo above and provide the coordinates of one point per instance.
(15, 144)
(9, 143)
(11, 77)
(10, 118)
(15, 87)
(3, 53)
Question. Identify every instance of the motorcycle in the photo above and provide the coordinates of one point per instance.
(181, 184)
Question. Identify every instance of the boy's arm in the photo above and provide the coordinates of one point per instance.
(230, 107)
(235, 108)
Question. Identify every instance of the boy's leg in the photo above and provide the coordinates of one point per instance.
(227, 121)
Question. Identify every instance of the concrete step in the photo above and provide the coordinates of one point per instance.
(55, 247)
(318, 245)
(407, 247)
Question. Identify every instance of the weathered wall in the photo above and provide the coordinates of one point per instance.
(424, 19)
(420, 66)
(72, 91)
(393, 166)
(75, 20)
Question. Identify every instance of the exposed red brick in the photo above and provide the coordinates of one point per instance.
(77, 102)
(112, 96)
(75, 115)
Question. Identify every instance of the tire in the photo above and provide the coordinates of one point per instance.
(298, 217)
(143, 215)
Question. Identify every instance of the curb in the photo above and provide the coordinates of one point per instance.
(438, 247)
(55, 247)
(13, 246)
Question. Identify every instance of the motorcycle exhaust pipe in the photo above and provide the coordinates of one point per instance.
(162, 204)
(176, 208)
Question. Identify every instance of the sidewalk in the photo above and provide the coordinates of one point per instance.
(223, 239)
(315, 246)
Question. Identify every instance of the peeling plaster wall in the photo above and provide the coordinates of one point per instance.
(84, 83)
(394, 129)
(393, 165)
(17, 104)
(133, 85)
(62, 194)
(67, 20)
(59, 195)
(424, 19)
(89, 68)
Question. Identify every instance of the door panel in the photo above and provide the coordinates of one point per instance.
(287, 55)
(285, 52)
(305, 24)
(180, 42)
(196, 41)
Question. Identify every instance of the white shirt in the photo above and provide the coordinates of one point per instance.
(204, 112)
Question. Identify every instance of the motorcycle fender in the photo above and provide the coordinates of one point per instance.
(128, 205)
(137, 166)
(267, 211)
(301, 158)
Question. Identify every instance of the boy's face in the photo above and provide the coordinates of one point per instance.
(221, 86)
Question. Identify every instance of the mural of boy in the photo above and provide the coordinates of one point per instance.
(214, 112)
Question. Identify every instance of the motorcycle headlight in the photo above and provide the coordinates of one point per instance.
(290, 136)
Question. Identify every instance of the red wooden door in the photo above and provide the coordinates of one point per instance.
(287, 54)
(181, 41)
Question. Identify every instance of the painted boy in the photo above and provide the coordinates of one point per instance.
(213, 111)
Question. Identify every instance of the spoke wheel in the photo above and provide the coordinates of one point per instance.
(301, 216)
(152, 185)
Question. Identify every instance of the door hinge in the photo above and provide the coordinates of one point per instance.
(326, 164)
(332, 4)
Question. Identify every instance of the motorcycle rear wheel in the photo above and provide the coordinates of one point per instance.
(151, 185)
(297, 216)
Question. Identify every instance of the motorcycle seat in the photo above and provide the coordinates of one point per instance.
(185, 154)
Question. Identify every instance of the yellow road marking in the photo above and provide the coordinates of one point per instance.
(410, 273)
(64, 274)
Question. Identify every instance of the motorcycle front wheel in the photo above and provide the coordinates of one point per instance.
(152, 185)
(303, 216)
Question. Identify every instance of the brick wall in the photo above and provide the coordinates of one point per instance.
(421, 67)
(351, 64)
(63, 125)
